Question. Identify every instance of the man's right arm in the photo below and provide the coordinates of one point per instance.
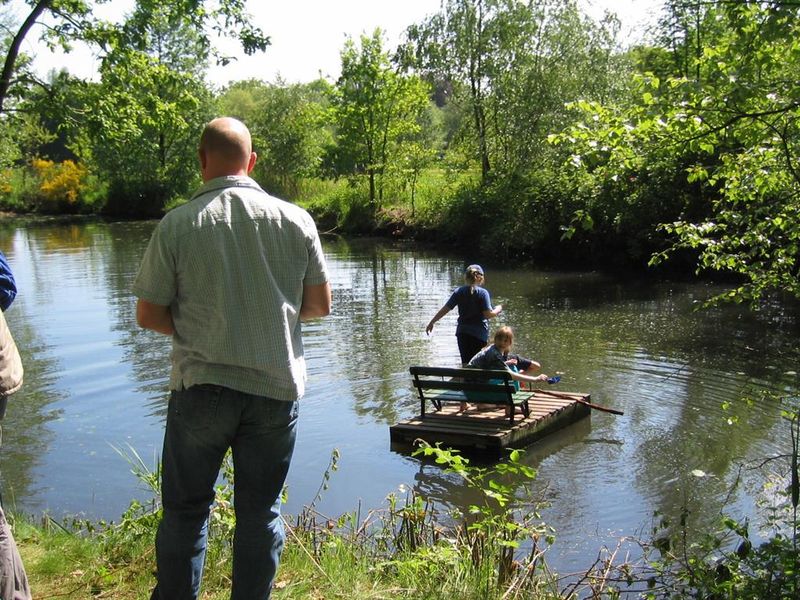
(155, 317)
(316, 301)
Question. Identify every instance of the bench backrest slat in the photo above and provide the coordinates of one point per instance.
(469, 386)
(472, 374)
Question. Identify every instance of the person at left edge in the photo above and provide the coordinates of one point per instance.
(229, 275)
(13, 579)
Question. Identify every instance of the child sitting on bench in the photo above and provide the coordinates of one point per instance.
(496, 356)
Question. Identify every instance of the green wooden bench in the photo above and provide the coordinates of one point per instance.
(484, 386)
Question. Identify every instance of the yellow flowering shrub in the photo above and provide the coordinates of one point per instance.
(5, 182)
(60, 182)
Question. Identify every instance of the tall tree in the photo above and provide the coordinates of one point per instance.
(148, 110)
(15, 43)
(376, 108)
(290, 125)
(543, 56)
(513, 65)
(293, 128)
(452, 46)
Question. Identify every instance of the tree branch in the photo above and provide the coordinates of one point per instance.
(13, 49)
(756, 116)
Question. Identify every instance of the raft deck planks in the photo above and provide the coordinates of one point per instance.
(489, 429)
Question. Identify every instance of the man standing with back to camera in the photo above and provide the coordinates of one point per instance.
(229, 276)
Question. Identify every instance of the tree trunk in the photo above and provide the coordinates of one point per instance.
(372, 202)
(13, 49)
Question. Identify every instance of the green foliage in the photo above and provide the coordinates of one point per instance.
(505, 65)
(51, 188)
(724, 564)
(622, 161)
(148, 111)
(497, 527)
(376, 109)
(749, 124)
(290, 126)
(404, 551)
(411, 549)
(291, 131)
(412, 161)
(720, 130)
(75, 20)
(137, 129)
(343, 207)
(527, 210)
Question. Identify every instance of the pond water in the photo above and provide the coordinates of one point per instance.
(96, 385)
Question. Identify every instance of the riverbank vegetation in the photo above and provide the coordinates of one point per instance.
(412, 548)
(520, 129)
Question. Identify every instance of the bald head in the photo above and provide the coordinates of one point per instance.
(225, 149)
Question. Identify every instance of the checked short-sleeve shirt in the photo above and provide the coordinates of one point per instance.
(231, 265)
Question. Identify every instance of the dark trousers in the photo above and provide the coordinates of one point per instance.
(468, 346)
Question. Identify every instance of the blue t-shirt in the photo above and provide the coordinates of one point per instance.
(471, 302)
(8, 287)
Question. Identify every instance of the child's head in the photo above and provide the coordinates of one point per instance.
(474, 274)
(504, 338)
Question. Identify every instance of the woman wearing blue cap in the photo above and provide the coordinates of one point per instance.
(474, 311)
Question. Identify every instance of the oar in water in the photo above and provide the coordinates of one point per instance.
(557, 378)
(613, 411)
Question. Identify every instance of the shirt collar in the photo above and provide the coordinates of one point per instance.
(228, 181)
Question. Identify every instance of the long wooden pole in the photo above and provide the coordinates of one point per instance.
(613, 411)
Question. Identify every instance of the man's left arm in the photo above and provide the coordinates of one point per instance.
(155, 316)
(316, 301)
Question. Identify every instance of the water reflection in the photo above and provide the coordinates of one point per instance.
(96, 383)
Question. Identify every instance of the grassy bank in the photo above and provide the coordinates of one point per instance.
(408, 549)
(319, 565)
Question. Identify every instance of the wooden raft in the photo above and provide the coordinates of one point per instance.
(490, 429)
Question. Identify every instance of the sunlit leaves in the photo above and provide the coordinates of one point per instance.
(147, 112)
(731, 124)
(290, 127)
(512, 66)
(377, 108)
(70, 21)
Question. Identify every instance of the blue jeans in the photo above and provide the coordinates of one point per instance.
(202, 423)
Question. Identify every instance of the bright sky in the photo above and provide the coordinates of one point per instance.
(307, 35)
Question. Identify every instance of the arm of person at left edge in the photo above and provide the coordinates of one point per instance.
(316, 301)
(8, 287)
(154, 316)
